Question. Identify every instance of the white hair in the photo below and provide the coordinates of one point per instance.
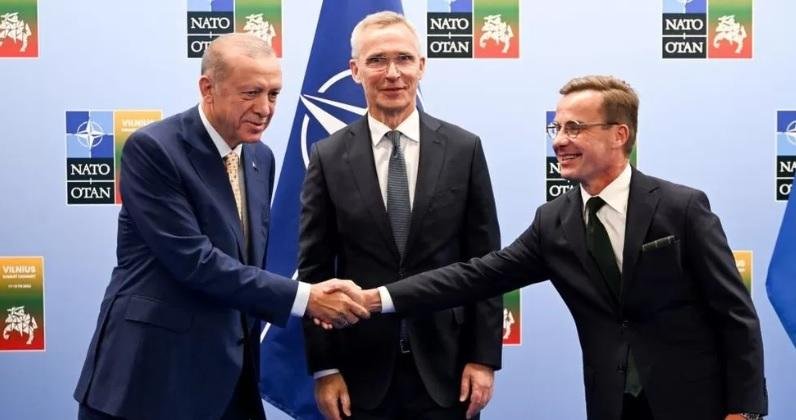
(381, 19)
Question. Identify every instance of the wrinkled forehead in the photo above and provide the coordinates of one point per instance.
(390, 38)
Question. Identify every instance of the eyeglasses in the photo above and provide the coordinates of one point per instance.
(382, 62)
(573, 128)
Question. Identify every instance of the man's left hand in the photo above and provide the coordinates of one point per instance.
(477, 384)
(735, 416)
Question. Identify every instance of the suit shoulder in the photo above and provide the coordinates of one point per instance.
(672, 195)
(164, 131)
(337, 140)
(452, 131)
(556, 205)
(672, 189)
(263, 151)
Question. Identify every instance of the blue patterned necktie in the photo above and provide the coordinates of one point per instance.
(399, 211)
(398, 193)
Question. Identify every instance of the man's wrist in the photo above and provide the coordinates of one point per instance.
(373, 300)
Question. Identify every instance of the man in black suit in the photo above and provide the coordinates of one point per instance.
(667, 329)
(177, 335)
(393, 194)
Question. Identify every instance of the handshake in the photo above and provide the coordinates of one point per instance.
(339, 303)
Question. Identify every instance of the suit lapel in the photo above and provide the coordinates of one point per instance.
(641, 204)
(209, 166)
(575, 232)
(255, 199)
(432, 157)
(359, 156)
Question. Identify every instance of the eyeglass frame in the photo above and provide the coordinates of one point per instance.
(370, 61)
(577, 125)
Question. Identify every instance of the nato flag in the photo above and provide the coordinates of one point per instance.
(781, 281)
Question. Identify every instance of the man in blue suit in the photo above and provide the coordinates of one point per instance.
(177, 335)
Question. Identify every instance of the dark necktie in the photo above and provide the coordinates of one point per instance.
(599, 246)
(398, 193)
(399, 211)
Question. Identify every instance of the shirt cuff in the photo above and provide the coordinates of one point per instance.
(386, 301)
(301, 300)
(326, 372)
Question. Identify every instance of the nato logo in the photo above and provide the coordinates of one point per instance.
(473, 29)
(707, 29)
(685, 29)
(449, 27)
(329, 109)
(555, 184)
(89, 157)
(786, 153)
(209, 19)
(206, 21)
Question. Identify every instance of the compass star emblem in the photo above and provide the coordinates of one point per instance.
(315, 104)
(89, 134)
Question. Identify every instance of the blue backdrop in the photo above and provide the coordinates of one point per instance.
(708, 123)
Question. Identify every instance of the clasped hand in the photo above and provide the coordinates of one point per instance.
(338, 303)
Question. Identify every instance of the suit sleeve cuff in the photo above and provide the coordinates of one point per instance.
(301, 300)
(326, 372)
(386, 301)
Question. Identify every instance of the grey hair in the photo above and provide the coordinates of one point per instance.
(381, 19)
(214, 60)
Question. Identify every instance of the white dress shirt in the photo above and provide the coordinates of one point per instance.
(303, 292)
(382, 148)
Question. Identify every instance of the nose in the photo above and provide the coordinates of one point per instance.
(392, 70)
(560, 139)
(263, 107)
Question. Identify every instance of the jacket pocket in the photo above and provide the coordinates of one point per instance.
(153, 312)
(659, 243)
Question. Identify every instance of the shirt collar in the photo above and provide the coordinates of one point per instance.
(615, 194)
(218, 141)
(409, 128)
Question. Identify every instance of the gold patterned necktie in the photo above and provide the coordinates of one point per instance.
(231, 161)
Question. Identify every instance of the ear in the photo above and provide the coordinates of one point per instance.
(352, 64)
(206, 88)
(622, 135)
(422, 67)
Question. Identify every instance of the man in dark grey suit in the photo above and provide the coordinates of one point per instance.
(667, 329)
(393, 194)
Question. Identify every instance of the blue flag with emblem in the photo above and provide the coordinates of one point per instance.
(781, 281)
(329, 100)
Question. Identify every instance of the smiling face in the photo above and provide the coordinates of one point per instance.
(240, 101)
(594, 157)
(389, 67)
